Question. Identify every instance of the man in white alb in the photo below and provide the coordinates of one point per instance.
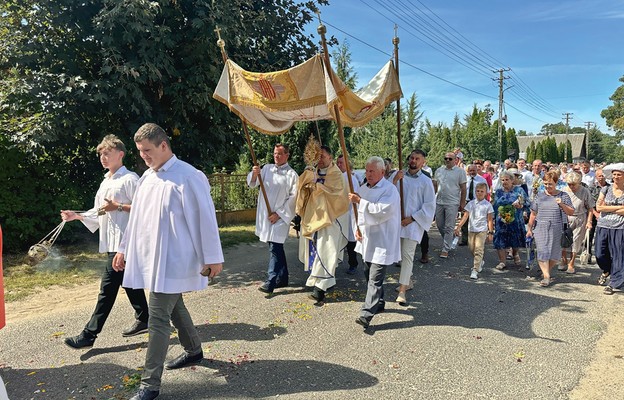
(280, 183)
(110, 214)
(419, 209)
(379, 219)
(171, 246)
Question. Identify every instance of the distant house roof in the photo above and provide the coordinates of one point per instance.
(577, 140)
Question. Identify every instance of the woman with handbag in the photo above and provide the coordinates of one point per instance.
(610, 229)
(548, 217)
(580, 222)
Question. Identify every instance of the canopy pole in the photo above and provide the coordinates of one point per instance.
(221, 44)
(322, 30)
(395, 42)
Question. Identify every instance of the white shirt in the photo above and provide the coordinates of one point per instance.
(589, 179)
(418, 203)
(379, 219)
(478, 210)
(172, 232)
(280, 184)
(477, 179)
(120, 188)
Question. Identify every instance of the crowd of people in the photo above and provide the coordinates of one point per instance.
(513, 205)
(161, 235)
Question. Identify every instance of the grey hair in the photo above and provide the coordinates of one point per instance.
(378, 161)
(507, 174)
(152, 132)
(573, 177)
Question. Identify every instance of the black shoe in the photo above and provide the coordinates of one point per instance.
(362, 321)
(318, 295)
(145, 394)
(281, 284)
(265, 289)
(137, 328)
(85, 339)
(381, 308)
(184, 360)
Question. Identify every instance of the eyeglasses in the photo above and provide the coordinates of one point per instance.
(448, 158)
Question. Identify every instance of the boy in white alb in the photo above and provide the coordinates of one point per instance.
(480, 214)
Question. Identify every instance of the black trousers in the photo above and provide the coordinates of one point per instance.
(592, 232)
(353, 261)
(424, 245)
(109, 287)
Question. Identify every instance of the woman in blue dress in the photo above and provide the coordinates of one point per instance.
(549, 212)
(509, 203)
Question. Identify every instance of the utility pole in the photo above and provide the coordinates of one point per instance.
(501, 78)
(589, 124)
(567, 117)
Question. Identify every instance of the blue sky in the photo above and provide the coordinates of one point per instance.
(565, 55)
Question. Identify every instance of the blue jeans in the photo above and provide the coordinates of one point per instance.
(278, 270)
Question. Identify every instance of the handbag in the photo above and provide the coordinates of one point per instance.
(584, 257)
(567, 236)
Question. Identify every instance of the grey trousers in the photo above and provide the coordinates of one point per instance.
(445, 216)
(162, 309)
(375, 275)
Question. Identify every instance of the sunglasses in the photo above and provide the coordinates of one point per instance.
(447, 158)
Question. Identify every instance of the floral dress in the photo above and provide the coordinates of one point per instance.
(509, 224)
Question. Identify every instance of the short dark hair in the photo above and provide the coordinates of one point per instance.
(284, 146)
(419, 151)
(152, 132)
(327, 150)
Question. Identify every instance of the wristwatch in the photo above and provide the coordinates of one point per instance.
(120, 207)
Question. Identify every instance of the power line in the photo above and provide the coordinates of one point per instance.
(427, 34)
(427, 72)
(408, 64)
(443, 40)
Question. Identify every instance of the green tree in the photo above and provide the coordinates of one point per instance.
(341, 59)
(512, 142)
(531, 152)
(614, 114)
(379, 137)
(71, 72)
(478, 134)
(561, 151)
(553, 129)
(539, 151)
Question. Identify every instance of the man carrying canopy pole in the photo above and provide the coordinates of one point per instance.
(221, 44)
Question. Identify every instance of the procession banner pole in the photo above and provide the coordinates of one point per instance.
(221, 44)
(322, 30)
(395, 42)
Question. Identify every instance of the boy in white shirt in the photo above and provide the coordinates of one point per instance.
(480, 226)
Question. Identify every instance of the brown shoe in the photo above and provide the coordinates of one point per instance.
(424, 259)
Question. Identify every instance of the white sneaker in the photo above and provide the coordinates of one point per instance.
(474, 274)
(481, 266)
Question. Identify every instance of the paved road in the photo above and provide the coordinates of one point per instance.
(501, 337)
